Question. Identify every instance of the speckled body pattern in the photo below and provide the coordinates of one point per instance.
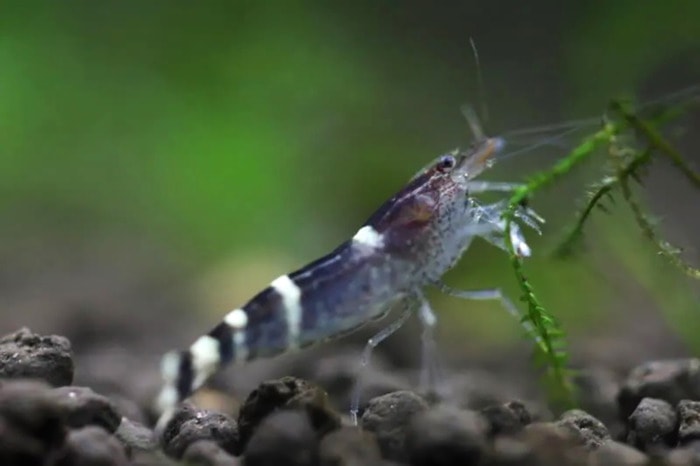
(407, 244)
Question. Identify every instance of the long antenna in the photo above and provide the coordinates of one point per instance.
(481, 88)
(473, 122)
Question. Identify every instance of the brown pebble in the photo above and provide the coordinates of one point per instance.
(81, 407)
(445, 436)
(208, 453)
(671, 380)
(92, 446)
(190, 424)
(283, 438)
(286, 393)
(689, 418)
(27, 355)
(31, 424)
(388, 417)
(589, 431)
(349, 446)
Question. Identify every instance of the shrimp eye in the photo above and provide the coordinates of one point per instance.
(446, 163)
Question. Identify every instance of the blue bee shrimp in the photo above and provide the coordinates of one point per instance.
(408, 244)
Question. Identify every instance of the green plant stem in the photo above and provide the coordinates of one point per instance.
(549, 336)
(609, 183)
(546, 326)
(669, 252)
(657, 141)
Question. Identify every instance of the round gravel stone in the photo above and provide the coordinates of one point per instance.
(589, 431)
(349, 446)
(93, 446)
(82, 407)
(507, 418)
(31, 424)
(286, 393)
(189, 425)
(283, 438)
(652, 424)
(446, 436)
(388, 417)
(689, 418)
(208, 453)
(26, 355)
(672, 381)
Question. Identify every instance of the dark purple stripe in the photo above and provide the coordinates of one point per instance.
(335, 293)
(185, 376)
(267, 330)
(316, 297)
(224, 335)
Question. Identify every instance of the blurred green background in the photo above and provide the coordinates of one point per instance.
(209, 147)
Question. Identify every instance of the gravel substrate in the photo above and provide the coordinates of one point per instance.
(652, 417)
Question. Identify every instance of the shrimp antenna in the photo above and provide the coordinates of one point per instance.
(473, 122)
(481, 88)
(544, 142)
